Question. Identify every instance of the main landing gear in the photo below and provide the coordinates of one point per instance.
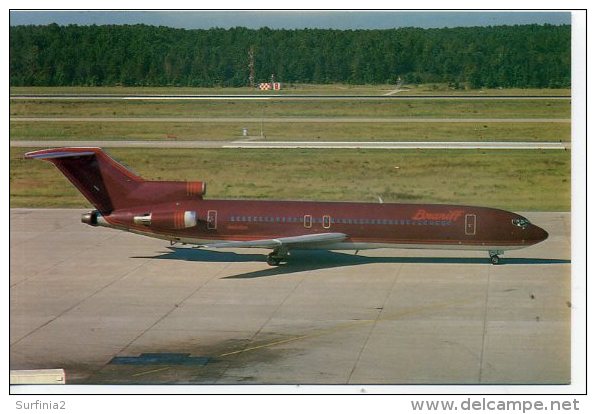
(277, 256)
(494, 256)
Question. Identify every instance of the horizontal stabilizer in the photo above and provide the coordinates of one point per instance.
(307, 240)
(50, 154)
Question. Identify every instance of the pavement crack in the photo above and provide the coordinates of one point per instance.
(374, 323)
(115, 280)
(248, 345)
(484, 326)
(173, 308)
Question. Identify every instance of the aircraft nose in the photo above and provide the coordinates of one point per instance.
(539, 234)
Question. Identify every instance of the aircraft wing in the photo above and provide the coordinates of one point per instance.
(295, 242)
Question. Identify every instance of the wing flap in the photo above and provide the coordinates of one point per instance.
(306, 240)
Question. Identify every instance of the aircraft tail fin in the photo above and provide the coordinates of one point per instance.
(109, 186)
(104, 182)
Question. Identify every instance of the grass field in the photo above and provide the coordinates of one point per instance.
(390, 109)
(332, 89)
(515, 180)
(291, 131)
(283, 130)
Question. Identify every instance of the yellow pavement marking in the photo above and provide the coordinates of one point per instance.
(150, 372)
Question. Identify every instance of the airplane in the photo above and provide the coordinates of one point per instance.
(177, 211)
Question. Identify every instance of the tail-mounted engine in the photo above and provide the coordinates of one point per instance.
(168, 220)
(90, 218)
(154, 192)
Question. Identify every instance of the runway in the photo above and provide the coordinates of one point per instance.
(263, 97)
(469, 145)
(288, 119)
(401, 145)
(82, 296)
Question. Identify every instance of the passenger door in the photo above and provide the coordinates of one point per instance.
(212, 220)
(470, 224)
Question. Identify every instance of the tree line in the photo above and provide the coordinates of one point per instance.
(523, 56)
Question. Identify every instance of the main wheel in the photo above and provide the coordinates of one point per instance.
(494, 259)
(273, 261)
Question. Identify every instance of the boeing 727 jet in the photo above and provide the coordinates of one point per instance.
(177, 211)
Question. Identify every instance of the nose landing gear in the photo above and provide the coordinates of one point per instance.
(494, 256)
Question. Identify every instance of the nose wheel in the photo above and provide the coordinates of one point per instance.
(277, 256)
(494, 256)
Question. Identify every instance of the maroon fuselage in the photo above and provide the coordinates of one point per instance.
(405, 225)
(176, 211)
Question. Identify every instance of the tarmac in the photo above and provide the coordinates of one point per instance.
(110, 307)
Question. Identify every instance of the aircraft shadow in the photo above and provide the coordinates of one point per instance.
(303, 261)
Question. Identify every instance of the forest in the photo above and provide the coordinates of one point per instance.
(521, 56)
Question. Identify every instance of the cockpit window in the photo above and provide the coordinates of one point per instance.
(521, 222)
